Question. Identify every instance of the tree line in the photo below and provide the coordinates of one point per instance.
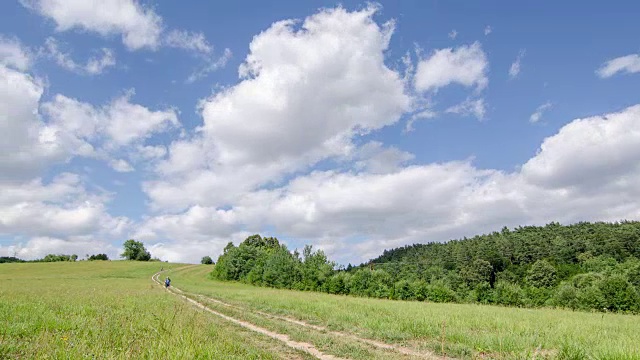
(133, 250)
(584, 266)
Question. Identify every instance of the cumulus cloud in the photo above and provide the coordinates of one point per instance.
(27, 143)
(120, 122)
(304, 93)
(374, 157)
(43, 215)
(38, 247)
(596, 151)
(465, 65)
(60, 208)
(139, 27)
(584, 172)
(629, 64)
(94, 66)
(73, 128)
(537, 115)
(514, 70)
(453, 34)
(13, 54)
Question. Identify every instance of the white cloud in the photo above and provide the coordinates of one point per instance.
(62, 208)
(97, 65)
(13, 54)
(72, 128)
(514, 70)
(374, 157)
(629, 64)
(94, 65)
(121, 122)
(537, 115)
(487, 30)
(27, 143)
(468, 107)
(585, 172)
(38, 247)
(453, 34)
(420, 115)
(465, 65)
(597, 151)
(121, 165)
(191, 41)
(151, 152)
(304, 94)
(211, 66)
(139, 27)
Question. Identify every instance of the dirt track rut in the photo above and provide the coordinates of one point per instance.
(303, 346)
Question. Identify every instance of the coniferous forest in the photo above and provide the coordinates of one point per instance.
(584, 266)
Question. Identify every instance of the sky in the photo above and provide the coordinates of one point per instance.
(350, 126)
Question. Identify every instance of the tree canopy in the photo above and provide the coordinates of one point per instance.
(134, 250)
(586, 266)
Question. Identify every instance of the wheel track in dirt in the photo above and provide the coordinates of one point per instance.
(306, 347)
(309, 348)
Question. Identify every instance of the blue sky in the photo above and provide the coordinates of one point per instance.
(357, 127)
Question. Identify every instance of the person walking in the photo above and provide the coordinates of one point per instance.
(167, 282)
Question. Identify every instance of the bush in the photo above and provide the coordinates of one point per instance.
(403, 290)
(439, 292)
(206, 260)
(566, 296)
(541, 275)
(98, 257)
(509, 294)
(619, 294)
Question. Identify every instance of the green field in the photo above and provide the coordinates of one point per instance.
(114, 310)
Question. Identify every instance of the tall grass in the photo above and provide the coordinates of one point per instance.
(111, 310)
(468, 330)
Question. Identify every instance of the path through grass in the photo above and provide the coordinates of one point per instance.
(470, 331)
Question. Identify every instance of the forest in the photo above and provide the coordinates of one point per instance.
(584, 266)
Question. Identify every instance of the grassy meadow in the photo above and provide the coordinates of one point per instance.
(112, 310)
(468, 331)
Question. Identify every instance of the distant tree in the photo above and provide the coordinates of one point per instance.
(57, 258)
(477, 272)
(542, 274)
(98, 257)
(206, 260)
(134, 250)
(619, 294)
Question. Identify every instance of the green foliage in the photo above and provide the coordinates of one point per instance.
(619, 294)
(585, 266)
(509, 294)
(478, 272)
(10, 259)
(59, 257)
(134, 250)
(206, 260)
(98, 257)
(541, 274)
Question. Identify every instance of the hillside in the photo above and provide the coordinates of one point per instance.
(587, 266)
